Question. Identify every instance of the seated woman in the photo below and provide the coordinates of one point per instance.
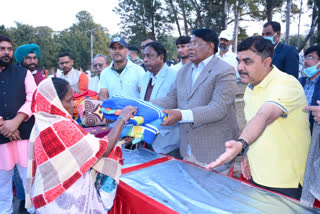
(63, 157)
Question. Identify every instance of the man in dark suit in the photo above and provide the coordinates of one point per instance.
(285, 57)
(202, 101)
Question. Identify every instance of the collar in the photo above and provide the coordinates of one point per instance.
(226, 54)
(34, 72)
(278, 45)
(159, 74)
(314, 80)
(72, 69)
(267, 79)
(203, 63)
(1, 68)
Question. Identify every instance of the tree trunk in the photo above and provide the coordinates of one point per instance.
(236, 27)
(299, 23)
(288, 21)
(199, 17)
(186, 28)
(269, 10)
(175, 14)
(152, 21)
(310, 34)
(317, 2)
(224, 14)
(314, 16)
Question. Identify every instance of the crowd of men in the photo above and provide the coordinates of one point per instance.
(198, 94)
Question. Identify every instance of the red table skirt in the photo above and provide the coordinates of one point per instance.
(130, 201)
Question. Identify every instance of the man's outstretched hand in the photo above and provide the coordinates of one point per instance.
(233, 148)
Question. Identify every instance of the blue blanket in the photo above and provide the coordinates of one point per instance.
(143, 126)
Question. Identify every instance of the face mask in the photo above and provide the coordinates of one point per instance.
(271, 38)
(312, 70)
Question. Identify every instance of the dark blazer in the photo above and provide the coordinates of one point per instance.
(286, 58)
(315, 97)
(212, 102)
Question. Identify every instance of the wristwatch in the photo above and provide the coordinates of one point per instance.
(245, 147)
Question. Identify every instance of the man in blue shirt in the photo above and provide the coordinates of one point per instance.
(311, 83)
(122, 76)
(285, 57)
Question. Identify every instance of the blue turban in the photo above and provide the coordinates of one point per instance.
(23, 50)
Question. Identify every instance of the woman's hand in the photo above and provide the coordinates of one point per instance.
(128, 111)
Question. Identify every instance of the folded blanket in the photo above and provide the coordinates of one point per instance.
(144, 125)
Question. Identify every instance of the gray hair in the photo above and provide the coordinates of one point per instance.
(101, 55)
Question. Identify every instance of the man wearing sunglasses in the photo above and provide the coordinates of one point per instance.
(100, 62)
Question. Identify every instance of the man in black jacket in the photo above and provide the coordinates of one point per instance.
(285, 57)
(16, 89)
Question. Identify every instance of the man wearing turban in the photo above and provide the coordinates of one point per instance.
(28, 56)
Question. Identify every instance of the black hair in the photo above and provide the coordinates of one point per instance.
(257, 44)
(275, 26)
(63, 54)
(134, 48)
(208, 36)
(183, 40)
(312, 49)
(144, 39)
(158, 47)
(4, 38)
(62, 86)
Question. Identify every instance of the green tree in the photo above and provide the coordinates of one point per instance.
(76, 40)
(143, 18)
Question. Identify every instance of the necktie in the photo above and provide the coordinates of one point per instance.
(149, 91)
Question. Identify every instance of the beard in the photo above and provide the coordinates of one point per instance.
(223, 47)
(183, 56)
(5, 60)
(31, 67)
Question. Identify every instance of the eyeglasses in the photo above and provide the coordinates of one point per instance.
(98, 65)
(195, 44)
(64, 63)
(29, 58)
(311, 57)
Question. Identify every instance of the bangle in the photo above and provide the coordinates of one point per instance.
(125, 121)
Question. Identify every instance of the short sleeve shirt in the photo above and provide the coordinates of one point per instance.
(278, 157)
(126, 83)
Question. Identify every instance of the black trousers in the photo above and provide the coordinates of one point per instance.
(291, 192)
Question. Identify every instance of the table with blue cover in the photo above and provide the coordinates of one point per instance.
(154, 183)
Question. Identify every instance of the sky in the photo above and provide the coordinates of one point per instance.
(61, 14)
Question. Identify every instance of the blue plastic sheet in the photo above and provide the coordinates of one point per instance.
(186, 188)
(138, 156)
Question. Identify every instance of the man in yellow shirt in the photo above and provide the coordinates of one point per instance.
(278, 127)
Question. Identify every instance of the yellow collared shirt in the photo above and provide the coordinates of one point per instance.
(278, 157)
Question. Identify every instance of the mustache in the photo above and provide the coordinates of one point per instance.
(6, 56)
(243, 73)
(32, 64)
